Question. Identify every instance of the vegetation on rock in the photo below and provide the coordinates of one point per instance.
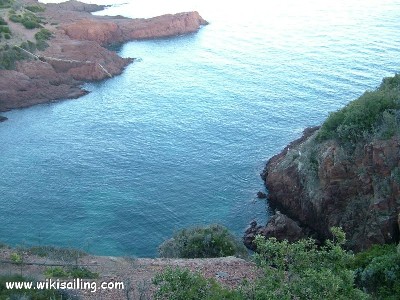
(375, 112)
(181, 284)
(27, 18)
(299, 270)
(8, 57)
(70, 272)
(377, 270)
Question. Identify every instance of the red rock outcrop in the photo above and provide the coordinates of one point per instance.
(321, 185)
(102, 32)
(76, 53)
(122, 29)
(162, 26)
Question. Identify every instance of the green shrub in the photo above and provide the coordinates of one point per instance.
(28, 19)
(301, 270)
(81, 272)
(16, 258)
(7, 36)
(41, 45)
(15, 18)
(181, 284)
(43, 34)
(35, 8)
(378, 271)
(55, 272)
(197, 242)
(5, 29)
(361, 117)
(70, 272)
(2, 21)
(30, 24)
(8, 57)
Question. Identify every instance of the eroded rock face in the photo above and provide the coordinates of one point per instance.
(162, 26)
(102, 32)
(321, 185)
(108, 31)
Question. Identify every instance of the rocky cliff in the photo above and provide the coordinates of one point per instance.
(76, 51)
(317, 183)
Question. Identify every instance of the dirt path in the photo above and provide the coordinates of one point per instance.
(135, 273)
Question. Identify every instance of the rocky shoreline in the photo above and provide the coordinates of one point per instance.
(77, 51)
(313, 186)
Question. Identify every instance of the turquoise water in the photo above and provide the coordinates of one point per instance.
(181, 136)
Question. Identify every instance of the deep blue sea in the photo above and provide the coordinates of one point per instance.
(181, 137)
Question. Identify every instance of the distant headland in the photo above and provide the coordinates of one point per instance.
(47, 51)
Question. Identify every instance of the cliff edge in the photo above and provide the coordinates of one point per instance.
(346, 173)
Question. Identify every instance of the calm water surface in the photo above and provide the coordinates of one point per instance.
(181, 137)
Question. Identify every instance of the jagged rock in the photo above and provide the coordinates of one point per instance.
(320, 185)
(2, 119)
(282, 228)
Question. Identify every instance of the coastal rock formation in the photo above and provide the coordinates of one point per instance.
(162, 26)
(76, 51)
(94, 30)
(325, 184)
(109, 31)
(279, 226)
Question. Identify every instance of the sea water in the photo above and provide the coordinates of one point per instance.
(180, 138)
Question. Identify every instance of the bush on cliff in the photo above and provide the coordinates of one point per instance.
(2, 21)
(299, 270)
(181, 284)
(28, 19)
(43, 34)
(8, 57)
(35, 8)
(378, 271)
(375, 112)
(209, 241)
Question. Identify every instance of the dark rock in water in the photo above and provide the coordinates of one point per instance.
(2, 119)
(279, 226)
(261, 195)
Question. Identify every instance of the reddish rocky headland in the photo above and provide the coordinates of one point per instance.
(76, 51)
(313, 186)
